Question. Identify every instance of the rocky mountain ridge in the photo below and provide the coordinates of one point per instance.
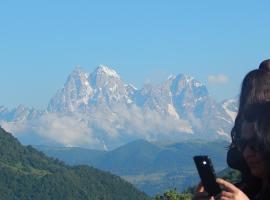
(98, 110)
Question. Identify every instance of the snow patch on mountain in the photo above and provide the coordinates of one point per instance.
(108, 71)
(221, 132)
(230, 106)
(172, 111)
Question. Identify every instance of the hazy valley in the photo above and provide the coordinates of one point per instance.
(153, 168)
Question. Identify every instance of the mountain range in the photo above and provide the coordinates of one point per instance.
(99, 111)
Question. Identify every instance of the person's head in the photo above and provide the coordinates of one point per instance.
(254, 139)
(255, 89)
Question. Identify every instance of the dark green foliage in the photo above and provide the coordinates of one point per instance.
(27, 174)
(191, 190)
(173, 195)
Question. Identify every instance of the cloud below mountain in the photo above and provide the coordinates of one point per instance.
(95, 131)
(66, 130)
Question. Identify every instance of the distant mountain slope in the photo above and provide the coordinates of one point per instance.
(27, 174)
(152, 168)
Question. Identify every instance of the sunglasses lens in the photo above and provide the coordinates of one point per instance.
(253, 145)
(243, 143)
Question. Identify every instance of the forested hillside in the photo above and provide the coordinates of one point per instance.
(27, 174)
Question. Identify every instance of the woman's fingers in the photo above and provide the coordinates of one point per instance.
(225, 194)
(227, 185)
(230, 191)
(200, 188)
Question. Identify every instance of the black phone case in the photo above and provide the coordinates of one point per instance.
(207, 174)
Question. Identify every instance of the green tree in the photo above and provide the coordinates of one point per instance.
(173, 195)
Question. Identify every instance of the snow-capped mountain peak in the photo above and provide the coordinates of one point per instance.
(76, 92)
(170, 77)
(189, 80)
(103, 69)
(78, 73)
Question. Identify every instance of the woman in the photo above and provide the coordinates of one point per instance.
(254, 144)
(255, 89)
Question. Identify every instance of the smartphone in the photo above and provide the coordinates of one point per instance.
(207, 174)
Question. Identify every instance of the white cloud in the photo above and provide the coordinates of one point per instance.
(218, 79)
(93, 130)
(66, 130)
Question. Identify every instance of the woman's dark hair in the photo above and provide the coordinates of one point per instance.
(259, 114)
(265, 65)
(262, 126)
(255, 89)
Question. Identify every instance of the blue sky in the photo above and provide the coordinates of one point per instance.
(42, 41)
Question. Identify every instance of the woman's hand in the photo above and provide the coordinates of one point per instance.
(230, 192)
(200, 194)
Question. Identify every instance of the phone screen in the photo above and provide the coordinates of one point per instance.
(207, 174)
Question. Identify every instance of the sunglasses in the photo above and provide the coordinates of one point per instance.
(252, 143)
